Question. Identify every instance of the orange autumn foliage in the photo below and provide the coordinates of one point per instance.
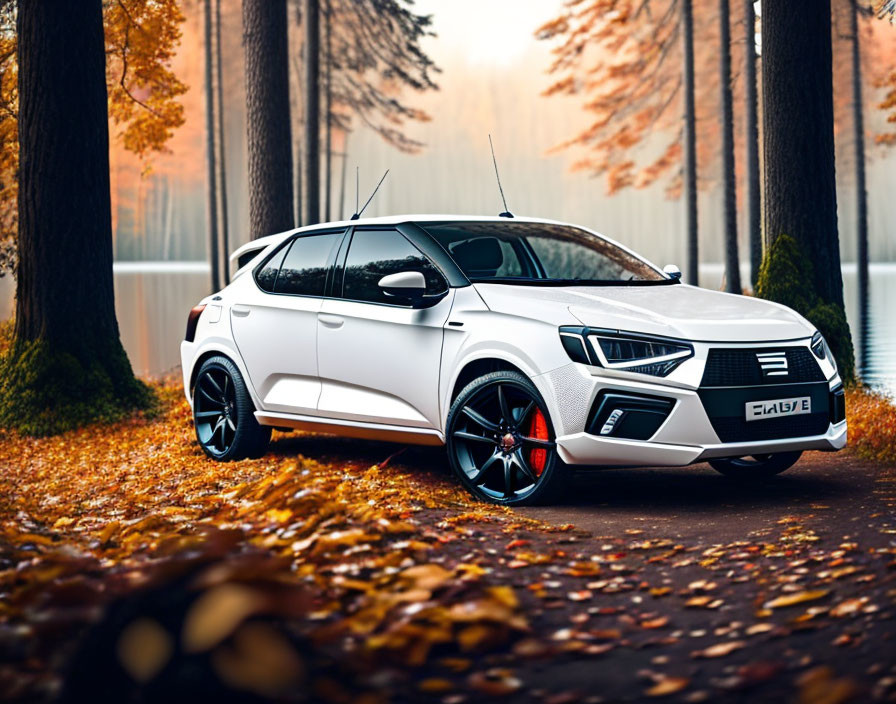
(872, 424)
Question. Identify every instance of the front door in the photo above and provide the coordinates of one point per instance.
(379, 360)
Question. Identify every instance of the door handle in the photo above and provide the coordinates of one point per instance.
(240, 311)
(331, 321)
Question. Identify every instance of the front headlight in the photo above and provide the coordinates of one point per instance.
(821, 350)
(629, 352)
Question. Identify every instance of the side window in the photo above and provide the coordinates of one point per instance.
(376, 253)
(266, 277)
(304, 271)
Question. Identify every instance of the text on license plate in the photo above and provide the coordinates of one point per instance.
(759, 410)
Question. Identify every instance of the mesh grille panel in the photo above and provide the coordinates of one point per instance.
(740, 367)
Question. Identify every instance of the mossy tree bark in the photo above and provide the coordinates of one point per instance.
(267, 117)
(800, 195)
(751, 128)
(732, 259)
(690, 143)
(66, 365)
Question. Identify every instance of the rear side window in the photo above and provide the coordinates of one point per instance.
(266, 277)
(304, 271)
(376, 253)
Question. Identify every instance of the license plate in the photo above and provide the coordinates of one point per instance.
(776, 408)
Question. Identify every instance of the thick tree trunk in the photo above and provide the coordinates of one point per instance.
(219, 129)
(798, 130)
(311, 20)
(858, 121)
(67, 365)
(754, 209)
(732, 260)
(210, 151)
(690, 144)
(328, 111)
(267, 117)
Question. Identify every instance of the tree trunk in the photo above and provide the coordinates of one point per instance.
(328, 112)
(754, 209)
(311, 19)
(221, 163)
(210, 151)
(732, 260)
(690, 144)
(267, 117)
(800, 180)
(67, 365)
(342, 186)
(798, 129)
(858, 122)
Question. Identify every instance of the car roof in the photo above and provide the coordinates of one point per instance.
(261, 243)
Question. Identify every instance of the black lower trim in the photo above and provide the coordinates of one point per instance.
(641, 417)
(838, 405)
(726, 409)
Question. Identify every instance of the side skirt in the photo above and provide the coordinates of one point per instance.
(352, 428)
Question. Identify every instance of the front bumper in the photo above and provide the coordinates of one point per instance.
(586, 449)
(701, 411)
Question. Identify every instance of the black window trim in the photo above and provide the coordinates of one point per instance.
(338, 289)
(287, 245)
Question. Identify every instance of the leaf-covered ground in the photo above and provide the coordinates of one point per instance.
(134, 569)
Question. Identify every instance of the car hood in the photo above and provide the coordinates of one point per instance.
(676, 310)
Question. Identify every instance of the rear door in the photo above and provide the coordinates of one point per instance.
(378, 360)
(275, 325)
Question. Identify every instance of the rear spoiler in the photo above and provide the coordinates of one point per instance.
(247, 252)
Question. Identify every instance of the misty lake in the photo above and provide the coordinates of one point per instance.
(152, 300)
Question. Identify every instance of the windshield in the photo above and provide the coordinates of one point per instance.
(539, 253)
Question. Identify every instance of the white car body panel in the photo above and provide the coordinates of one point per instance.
(391, 372)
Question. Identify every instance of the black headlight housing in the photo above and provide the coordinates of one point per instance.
(624, 351)
(820, 349)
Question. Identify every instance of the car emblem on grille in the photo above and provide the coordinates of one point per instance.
(773, 363)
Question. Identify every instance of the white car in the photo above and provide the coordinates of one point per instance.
(526, 346)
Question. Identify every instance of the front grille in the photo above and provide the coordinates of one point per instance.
(741, 367)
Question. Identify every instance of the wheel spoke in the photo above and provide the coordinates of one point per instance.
(480, 419)
(463, 435)
(230, 423)
(546, 444)
(207, 414)
(524, 413)
(508, 477)
(226, 386)
(211, 398)
(215, 384)
(218, 426)
(506, 415)
(520, 461)
(479, 477)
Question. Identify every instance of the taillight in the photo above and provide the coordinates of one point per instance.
(193, 321)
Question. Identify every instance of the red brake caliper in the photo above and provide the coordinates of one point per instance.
(538, 429)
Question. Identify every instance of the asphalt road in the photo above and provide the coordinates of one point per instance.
(698, 504)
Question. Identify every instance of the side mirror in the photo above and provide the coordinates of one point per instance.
(407, 286)
(673, 271)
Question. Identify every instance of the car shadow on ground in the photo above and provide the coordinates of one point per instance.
(695, 489)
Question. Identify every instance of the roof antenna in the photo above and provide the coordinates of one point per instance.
(359, 212)
(506, 213)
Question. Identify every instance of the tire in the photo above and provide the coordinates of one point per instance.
(496, 460)
(223, 413)
(756, 467)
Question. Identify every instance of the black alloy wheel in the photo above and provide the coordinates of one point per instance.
(223, 413)
(501, 441)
